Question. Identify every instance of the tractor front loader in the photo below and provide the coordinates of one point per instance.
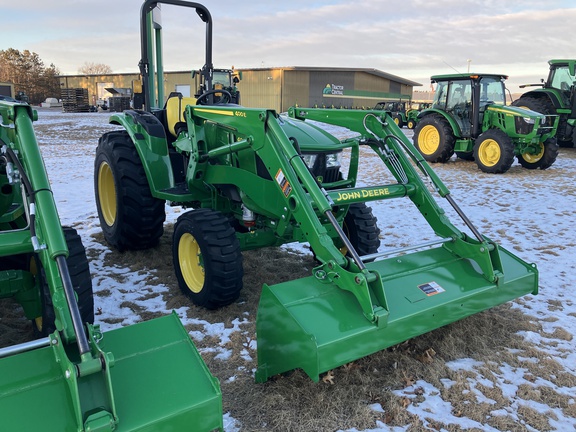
(74, 377)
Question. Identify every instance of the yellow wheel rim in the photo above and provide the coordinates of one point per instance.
(190, 260)
(489, 152)
(428, 139)
(534, 157)
(38, 323)
(397, 120)
(107, 193)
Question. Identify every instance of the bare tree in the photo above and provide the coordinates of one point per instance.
(91, 68)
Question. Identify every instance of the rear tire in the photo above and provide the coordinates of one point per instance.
(411, 124)
(81, 281)
(543, 105)
(434, 138)
(544, 159)
(130, 217)
(398, 120)
(207, 258)
(494, 152)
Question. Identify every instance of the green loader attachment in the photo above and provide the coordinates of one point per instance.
(73, 377)
(353, 305)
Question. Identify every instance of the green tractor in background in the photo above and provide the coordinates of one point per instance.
(413, 112)
(250, 178)
(469, 117)
(222, 79)
(395, 109)
(557, 96)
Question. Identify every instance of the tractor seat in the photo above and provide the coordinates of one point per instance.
(175, 107)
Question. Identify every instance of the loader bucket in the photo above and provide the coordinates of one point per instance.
(160, 384)
(317, 326)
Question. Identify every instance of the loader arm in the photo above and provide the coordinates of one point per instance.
(303, 203)
(42, 239)
(379, 132)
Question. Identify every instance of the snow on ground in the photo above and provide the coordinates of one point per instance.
(528, 212)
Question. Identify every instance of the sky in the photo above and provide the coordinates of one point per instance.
(413, 39)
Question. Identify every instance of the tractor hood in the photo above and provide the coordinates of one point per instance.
(517, 111)
(309, 137)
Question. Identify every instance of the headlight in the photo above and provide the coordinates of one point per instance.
(524, 125)
(529, 120)
(333, 160)
(309, 159)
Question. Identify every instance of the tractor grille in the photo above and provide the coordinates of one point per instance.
(331, 174)
(522, 126)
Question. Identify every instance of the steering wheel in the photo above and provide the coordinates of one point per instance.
(224, 99)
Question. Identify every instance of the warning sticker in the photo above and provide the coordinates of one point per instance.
(431, 288)
(284, 184)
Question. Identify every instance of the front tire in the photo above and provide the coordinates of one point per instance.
(362, 230)
(434, 139)
(81, 281)
(467, 156)
(543, 159)
(130, 217)
(494, 152)
(207, 258)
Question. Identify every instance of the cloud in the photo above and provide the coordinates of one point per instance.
(413, 38)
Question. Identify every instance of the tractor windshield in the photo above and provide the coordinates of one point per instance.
(451, 94)
(221, 79)
(492, 91)
(560, 78)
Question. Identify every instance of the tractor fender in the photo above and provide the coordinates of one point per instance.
(455, 128)
(149, 138)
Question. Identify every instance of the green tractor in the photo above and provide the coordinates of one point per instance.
(414, 111)
(558, 97)
(396, 110)
(73, 377)
(469, 117)
(251, 178)
(222, 79)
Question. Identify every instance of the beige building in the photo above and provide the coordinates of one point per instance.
(276, 88)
